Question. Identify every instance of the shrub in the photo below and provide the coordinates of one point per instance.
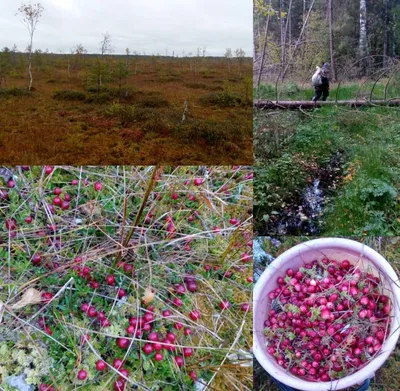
(126, 114)
(154, 102)
(210, 131)
(222, 99)
(9, 92)
(69, 95)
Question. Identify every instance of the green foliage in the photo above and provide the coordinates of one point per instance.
(12, 92)
(69, 95)
(221, 99)
(292, 148)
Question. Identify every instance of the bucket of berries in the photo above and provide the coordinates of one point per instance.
(326, 315)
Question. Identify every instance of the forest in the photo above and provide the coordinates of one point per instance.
(356, 38)
(329, 168)
(112, 108)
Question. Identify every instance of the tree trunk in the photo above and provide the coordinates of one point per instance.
(363, 36)
(331, 41)
(386, 35)
(284, 105)
(30, 65)
(263, 49)
(283, 38)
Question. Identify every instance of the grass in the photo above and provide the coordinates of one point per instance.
(68, 112)
(387, 377)
(292, 148)
(159, 222)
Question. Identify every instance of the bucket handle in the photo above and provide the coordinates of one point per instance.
(284, 387)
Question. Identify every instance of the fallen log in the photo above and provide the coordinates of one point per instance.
(295, 104)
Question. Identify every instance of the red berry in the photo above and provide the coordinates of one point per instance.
(187, 352)
(82, 374)
(147, 348)
(117, 364)
(166, 313)
(123, 343)
(179, 361)
(74, 182)
(11, 224)
(245, 307)
(178, 325)
(178, 302)
(119, 385)
(92, 312)
(121, 293)
(110, 279)
(224, 305)
(123, 372)
(48, 170)
(187, 331)
(57, 191)
(193, 375)
(98, 186)
(11, 183)
(194, 315)
(36, 259)
(198, 181)
(158, 356)
(28, 219)
(101, 365)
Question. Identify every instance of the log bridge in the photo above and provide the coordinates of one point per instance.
(295, 104)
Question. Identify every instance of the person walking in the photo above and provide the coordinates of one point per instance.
(320, 81)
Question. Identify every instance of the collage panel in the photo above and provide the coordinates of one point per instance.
(126, 277)
(327, 119)
(127, 82)
(326, 313)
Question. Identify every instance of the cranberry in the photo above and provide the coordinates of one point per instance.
(28, 219)
(121, 293)
(36, 259)
(101, 365)
(123, 343)
(194, 315)
(193, 375)
(147, 348)
(98, 186)
(119, 385)
(224, 305)
(158, 356)
(117, 364)
(179, 361)
(11, 224)
(187, 352)
(82, 374)
(110, 279)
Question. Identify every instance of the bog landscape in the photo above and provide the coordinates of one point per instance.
(136, 108)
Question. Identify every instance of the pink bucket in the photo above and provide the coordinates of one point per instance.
(333, 248)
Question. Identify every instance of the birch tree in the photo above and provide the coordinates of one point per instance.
(362, 47)
(31, 14)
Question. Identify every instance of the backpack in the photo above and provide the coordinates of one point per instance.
(316, 79)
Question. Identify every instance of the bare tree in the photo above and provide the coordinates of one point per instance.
(228, 56)
(31, 14)
(105, 48)
(240, 55)
(105, 45)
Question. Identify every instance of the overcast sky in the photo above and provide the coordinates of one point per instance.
(141, 25)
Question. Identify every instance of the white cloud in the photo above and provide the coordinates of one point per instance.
(151, 25)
